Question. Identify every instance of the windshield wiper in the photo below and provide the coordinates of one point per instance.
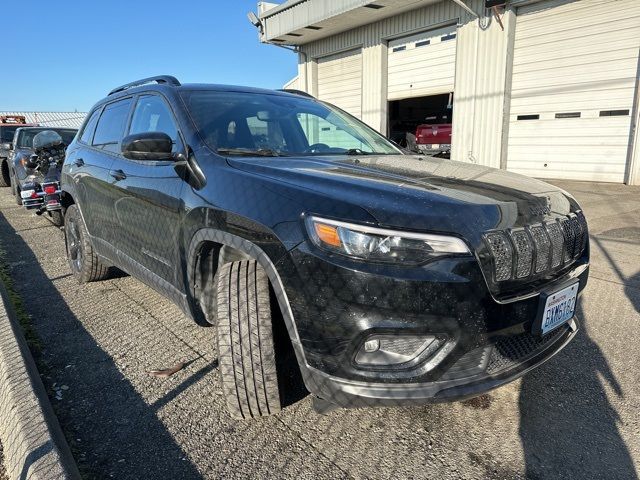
(261, 152)
(355, 151)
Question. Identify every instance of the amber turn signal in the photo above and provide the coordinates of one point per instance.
(328, 234)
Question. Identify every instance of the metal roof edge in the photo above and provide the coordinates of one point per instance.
(280, 8)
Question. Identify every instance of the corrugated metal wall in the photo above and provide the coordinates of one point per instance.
(480, 73)
(573, 85)
(52, 119)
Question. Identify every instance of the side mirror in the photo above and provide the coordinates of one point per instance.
(147, 146)
(7, 146)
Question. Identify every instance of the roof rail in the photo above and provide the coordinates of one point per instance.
(296, 92)
(168, 79)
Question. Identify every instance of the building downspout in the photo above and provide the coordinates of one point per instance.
(257, 22)
(297, 50)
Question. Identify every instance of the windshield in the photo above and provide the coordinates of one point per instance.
(25, 137)
(240, 123)
(6, 133)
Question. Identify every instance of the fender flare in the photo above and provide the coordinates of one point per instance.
(253, 251)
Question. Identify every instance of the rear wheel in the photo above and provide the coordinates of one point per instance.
(5, 180)
(57, 218)
(246, 350)
(84, 264)
(16, 192)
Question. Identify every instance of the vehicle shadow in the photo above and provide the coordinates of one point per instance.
(632, 290)
(113, 432)
(567, 424)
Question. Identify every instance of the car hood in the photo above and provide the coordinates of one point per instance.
(418, 192)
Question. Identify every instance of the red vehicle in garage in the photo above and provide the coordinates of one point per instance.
(434, 139)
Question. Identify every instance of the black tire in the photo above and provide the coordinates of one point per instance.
(246, 352)
(84, 264)
(16, 192)
(5, 180)
(57, 218)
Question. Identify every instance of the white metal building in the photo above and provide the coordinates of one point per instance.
(51, 119)
(552, 92)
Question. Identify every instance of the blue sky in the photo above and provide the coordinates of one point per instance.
(69, 54)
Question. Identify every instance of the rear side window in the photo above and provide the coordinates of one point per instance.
(89, 128)
(111, 125)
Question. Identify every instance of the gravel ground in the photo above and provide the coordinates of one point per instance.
(575, 417)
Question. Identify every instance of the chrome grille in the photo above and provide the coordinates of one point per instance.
(520, 253)
(585, 231)
(557, 243)
(569, 234)
(502, 255)
(542, 245)
(524, 253)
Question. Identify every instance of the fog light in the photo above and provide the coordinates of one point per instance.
(372, 345)
(394, 350)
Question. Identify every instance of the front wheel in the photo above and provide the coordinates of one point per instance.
(246, 352)
(84, 264)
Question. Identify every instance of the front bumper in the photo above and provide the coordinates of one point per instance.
(337, 305)
(353, 394)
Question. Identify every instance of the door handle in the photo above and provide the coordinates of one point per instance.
(118, 174)
(79, 162)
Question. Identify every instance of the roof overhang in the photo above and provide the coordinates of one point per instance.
(296, 22)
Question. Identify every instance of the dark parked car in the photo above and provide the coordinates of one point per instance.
(8, 126)
(292, 226)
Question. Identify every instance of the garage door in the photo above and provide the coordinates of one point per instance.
(422, 64)
(340, 81)
(574, 78)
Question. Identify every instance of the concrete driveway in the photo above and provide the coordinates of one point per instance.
(575, 417)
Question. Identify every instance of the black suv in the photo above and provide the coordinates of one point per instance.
(290, 225)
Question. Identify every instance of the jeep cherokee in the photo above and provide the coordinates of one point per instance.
(396, 278)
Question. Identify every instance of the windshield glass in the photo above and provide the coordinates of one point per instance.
(25, 137)
(6, 133)
(240, 123)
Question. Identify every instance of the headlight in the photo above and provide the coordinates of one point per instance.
(381, 245)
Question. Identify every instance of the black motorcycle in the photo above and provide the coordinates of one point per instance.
(40, 190)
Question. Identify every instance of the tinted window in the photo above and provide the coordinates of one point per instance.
(153, 115)
(111, 125)
(266, 134)
(286, 124)
(6, 133)
(67, 135)
(87, 133)
(25, 138)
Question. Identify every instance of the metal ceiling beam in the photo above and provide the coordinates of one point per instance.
(466, 7)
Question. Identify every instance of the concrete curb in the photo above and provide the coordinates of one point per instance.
(33, 442)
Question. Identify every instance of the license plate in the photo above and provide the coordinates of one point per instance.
(26, 193)
(559, 308)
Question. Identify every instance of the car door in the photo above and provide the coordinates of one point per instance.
(89, 165)
(147, 199)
